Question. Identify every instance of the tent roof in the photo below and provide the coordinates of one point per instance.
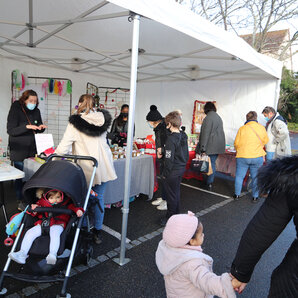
(95, 37)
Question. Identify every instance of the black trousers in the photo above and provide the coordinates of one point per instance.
(284, 279)
(171, 187)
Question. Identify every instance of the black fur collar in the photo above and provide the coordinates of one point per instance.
(90, 129)
(280, 176)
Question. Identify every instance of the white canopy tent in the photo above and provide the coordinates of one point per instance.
(179, 53)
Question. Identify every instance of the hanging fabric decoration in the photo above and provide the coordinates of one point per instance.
(60, 87)
(69, 87)
(64, 88)
(56, 89)
(17, 78)
(44, 88)
(26, 78)
(23, 82)
(51, 85)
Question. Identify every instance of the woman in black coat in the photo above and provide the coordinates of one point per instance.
(279, 179)
(23, 122)
(118, 133)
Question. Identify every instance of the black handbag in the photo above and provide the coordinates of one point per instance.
(200, 165)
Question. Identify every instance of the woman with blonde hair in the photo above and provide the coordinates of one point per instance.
(87, 134)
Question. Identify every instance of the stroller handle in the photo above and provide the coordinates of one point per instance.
(75, 158)
(50, 209)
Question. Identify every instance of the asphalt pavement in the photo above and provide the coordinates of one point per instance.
(224, 221)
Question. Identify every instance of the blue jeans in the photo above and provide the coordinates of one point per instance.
(18, 183)
(98, 215)
(242, 165)
(269, 156)
(210, 178)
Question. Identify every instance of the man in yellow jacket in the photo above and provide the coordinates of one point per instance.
(249, 144)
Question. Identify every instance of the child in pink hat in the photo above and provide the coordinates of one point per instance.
(186, 269)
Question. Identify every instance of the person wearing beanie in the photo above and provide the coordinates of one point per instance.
(157, 123)
(186, 269)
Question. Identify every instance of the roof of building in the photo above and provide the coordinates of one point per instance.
(274, 40)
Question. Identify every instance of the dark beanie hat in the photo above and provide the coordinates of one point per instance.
(153, 115)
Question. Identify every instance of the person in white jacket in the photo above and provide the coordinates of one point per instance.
(279, 144)
(186, 269)
(86, 134)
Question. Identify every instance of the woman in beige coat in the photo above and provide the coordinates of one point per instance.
(86, 135)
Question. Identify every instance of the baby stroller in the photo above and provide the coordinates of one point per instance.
(66, 175)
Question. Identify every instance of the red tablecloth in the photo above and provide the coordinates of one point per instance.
(188, 174)
(156, 171)
(225, 163)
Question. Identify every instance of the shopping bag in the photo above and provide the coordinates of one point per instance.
(15, 223)
(200, 164)
(210, 171)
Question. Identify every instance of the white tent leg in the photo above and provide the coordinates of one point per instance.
(277, 89)
(133, 84)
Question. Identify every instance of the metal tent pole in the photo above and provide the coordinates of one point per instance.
(133, 82)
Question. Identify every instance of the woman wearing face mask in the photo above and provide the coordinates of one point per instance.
(23, 122)
(118, 133)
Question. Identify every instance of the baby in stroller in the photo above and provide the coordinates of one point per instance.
(47, 221)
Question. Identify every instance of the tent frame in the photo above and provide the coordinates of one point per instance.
(170, 73)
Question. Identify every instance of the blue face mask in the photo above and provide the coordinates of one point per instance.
(30, 106)
(267, 119)
(150, 126)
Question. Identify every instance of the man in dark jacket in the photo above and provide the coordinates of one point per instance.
(176, 157)
(278, 178)
(212, 138)
(157, 123)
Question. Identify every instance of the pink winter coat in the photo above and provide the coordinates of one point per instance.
(188, 273)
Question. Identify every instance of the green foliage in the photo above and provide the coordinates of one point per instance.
(288, 99)
(293, 127)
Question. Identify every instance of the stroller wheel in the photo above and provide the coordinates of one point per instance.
(3, 291)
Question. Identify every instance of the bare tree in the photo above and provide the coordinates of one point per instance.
(257, 15)
(267, 13)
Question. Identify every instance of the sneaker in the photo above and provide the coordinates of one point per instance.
(97, 236)
(236, 197)
(19, 256)
(255, 200)
(51, 259)
(21, 206)
(157, 201)
(162, 205)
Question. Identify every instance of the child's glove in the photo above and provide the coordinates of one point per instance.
(79, 213)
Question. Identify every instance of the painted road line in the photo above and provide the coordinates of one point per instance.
(113, 233)
(211, 192)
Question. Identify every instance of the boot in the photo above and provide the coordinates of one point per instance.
(97, 236)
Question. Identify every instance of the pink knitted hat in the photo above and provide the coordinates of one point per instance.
(179, 229)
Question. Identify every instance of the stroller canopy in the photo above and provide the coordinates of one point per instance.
(63, 175)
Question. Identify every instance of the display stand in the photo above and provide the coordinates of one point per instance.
(54, 108)
(198, 116)
(109, 98)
